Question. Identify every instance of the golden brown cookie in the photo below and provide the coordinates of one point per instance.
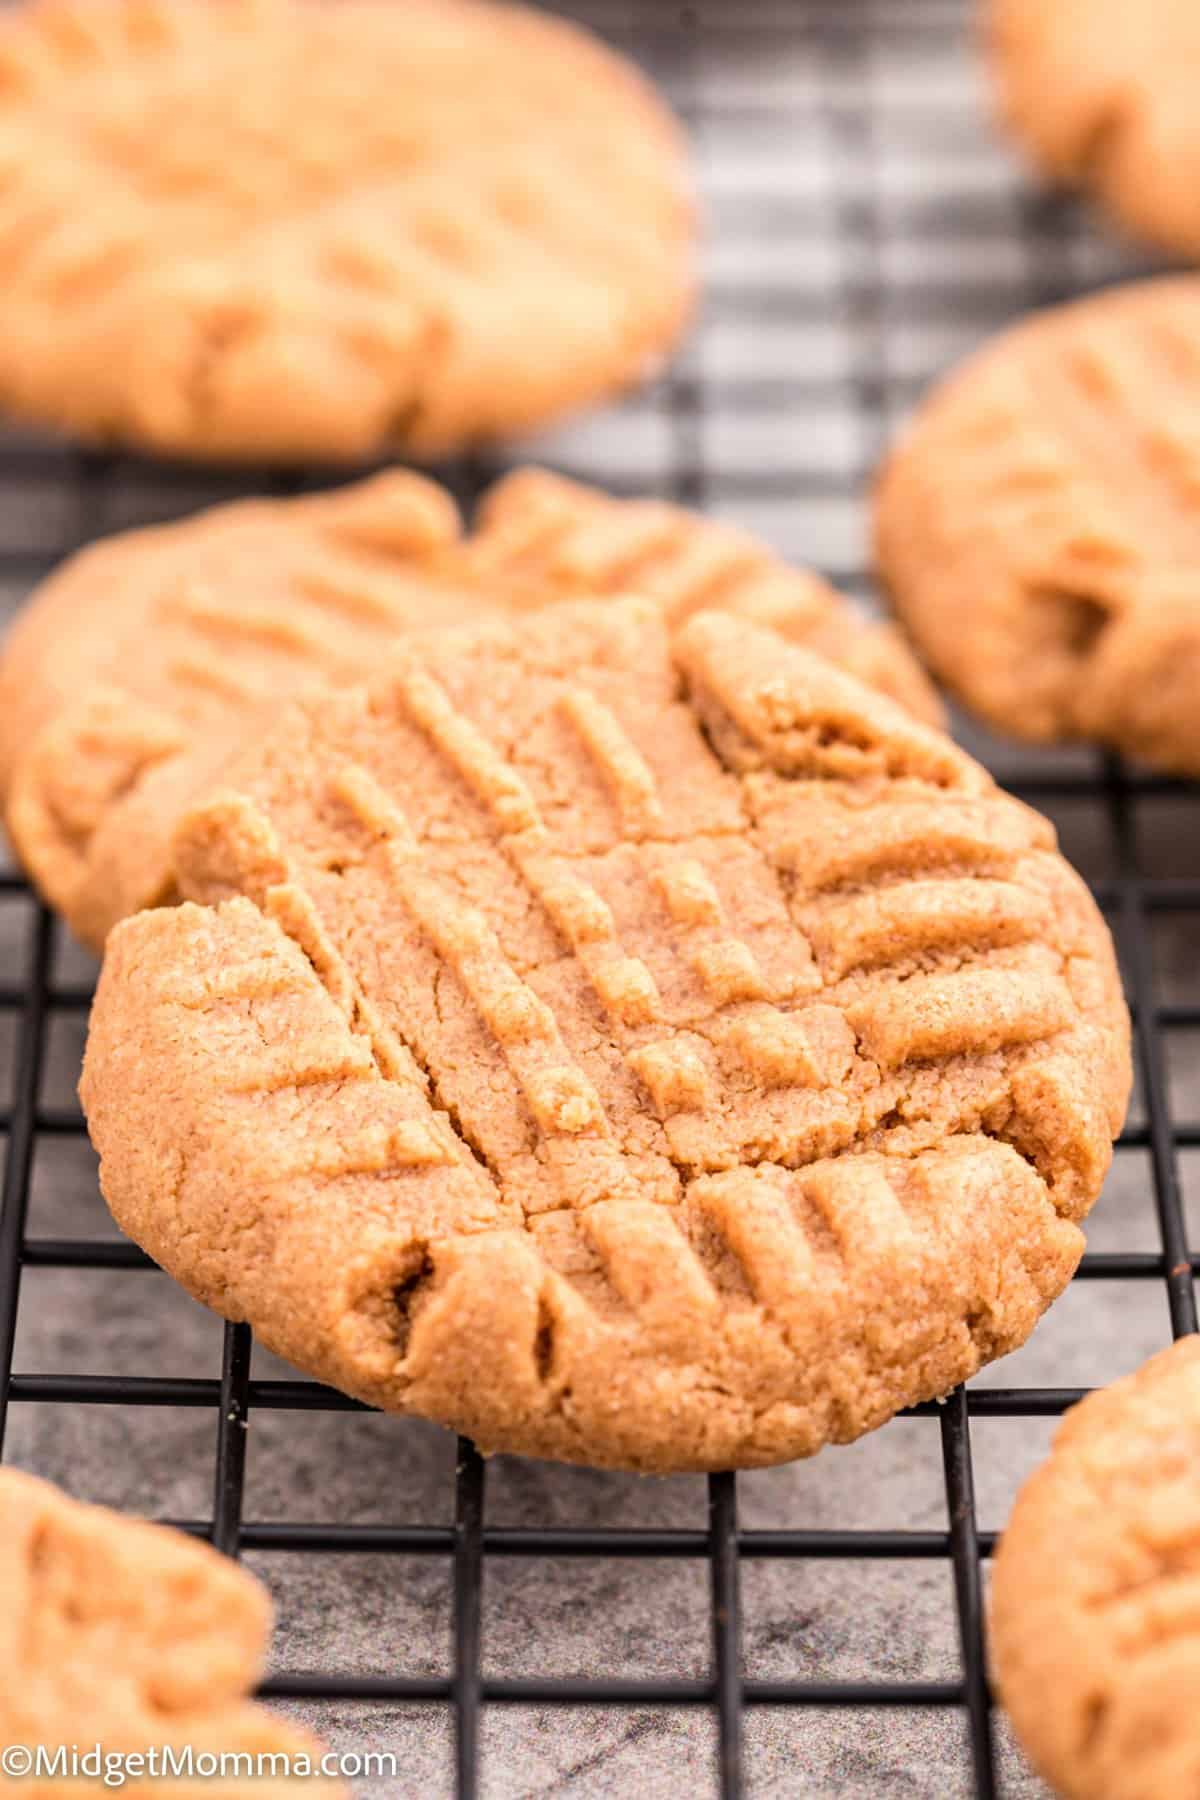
(1039, 529)
(317, 228)
(1101, 93)
(643, 1049)
(133, 1637)
(1096, 1592)
(138, 667)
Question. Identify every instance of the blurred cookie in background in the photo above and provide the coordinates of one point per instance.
(289, 229)
(1102, 95)
(1039, 525)
(148, 658)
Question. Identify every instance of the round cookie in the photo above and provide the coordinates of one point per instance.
(1101, 93)
(1096, 1592)
(138, 667)
(298, 229)
(638, 1048)
(1039, 525)
(136, 1638)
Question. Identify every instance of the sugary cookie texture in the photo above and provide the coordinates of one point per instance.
(1101, 93)
(316, 228)
(1096, 1592)
(136, 669)
(134, 1637)
(1039, 526)
(636, 1048)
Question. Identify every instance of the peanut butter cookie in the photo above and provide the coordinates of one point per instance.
(296, 229)
(136, 1638)
(140, 665)
(1102, 95)
(1039, 527)
(636, 1047)
(1096, 1592)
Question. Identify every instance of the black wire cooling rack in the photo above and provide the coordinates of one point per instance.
(846, 98)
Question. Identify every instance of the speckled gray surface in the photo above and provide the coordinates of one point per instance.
(839, 142)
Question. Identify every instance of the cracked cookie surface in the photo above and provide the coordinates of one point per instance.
(1101, 94)
(640, 1047)
(1096, 1592)
(132, 1636)
(278, 229)
(142, 663)
(1038, 525)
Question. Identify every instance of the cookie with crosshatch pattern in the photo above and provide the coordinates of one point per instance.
(638, 1048)
(1096, 1592)
(313, 229)
(1101, 94)
(134, 1637)
(139, 665)
(1039, 531)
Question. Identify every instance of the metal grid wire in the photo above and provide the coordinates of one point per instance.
(864, 232)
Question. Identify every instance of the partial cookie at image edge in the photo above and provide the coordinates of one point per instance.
(1036, 525)
(1098, 93)
(134, 1637)
(1095, 1629)
(298, 232)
